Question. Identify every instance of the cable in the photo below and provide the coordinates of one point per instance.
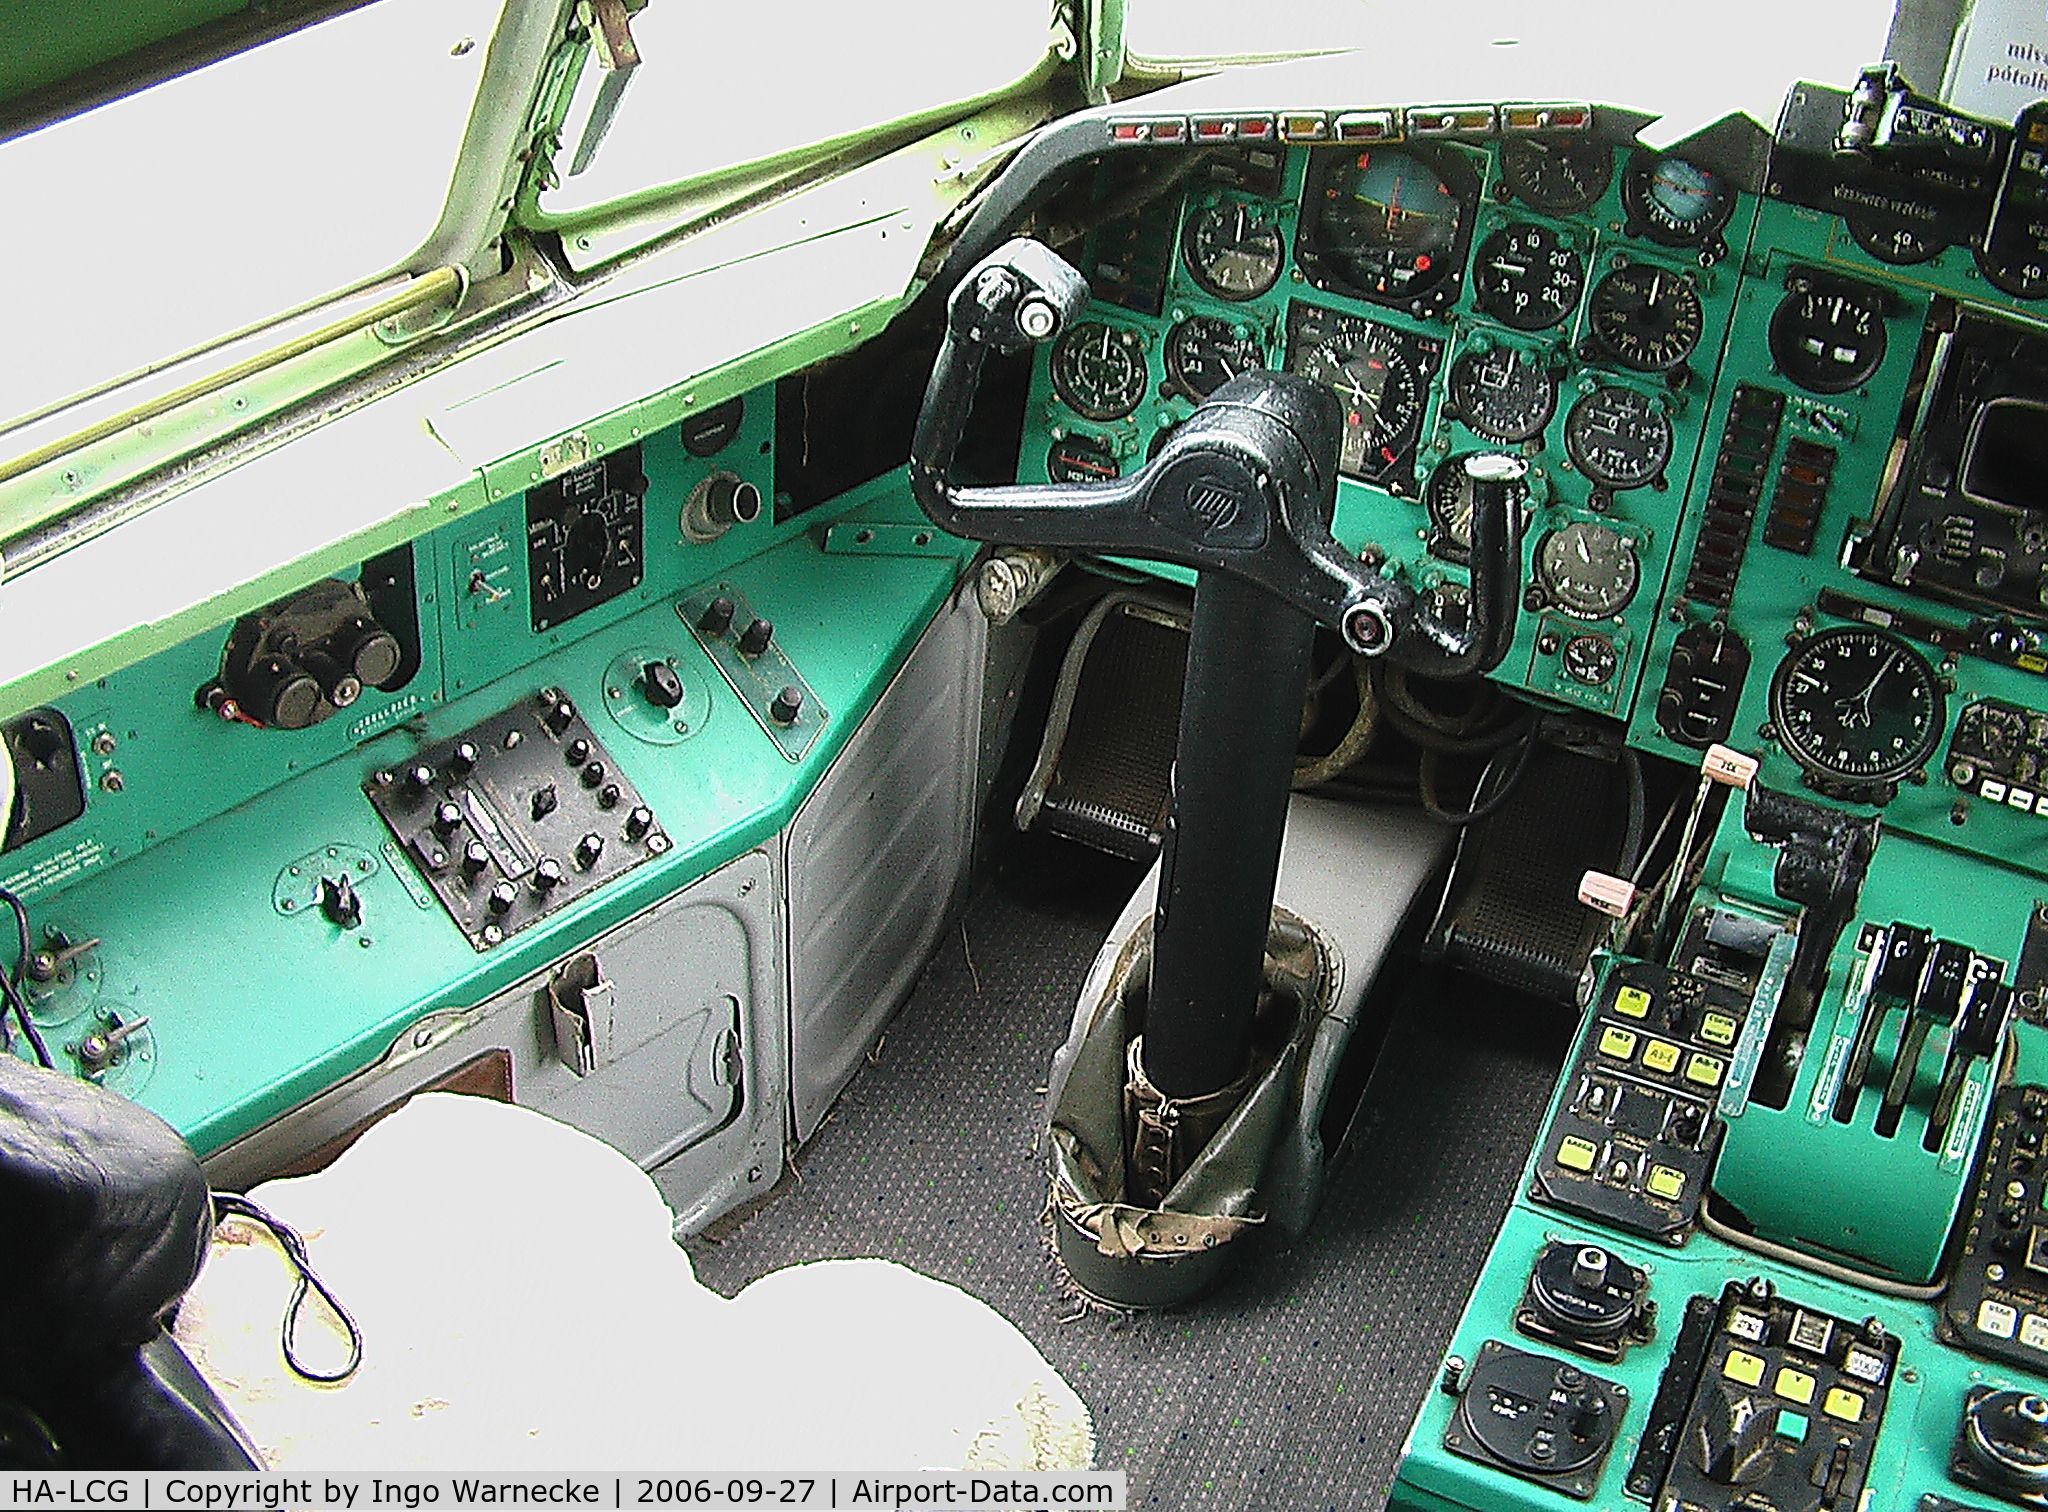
(1632, 834)
(1357, 740)
(1785, 1255)
(1452, 735)
(1426, 781)
(233, 1205)
(10, 982)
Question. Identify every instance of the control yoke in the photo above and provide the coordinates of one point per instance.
(1247, 485)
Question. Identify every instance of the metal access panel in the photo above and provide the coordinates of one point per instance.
(675, 1018)
(876, 858)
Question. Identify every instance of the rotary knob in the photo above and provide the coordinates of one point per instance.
(756, 637)
(639, 822)
(547, 876)
(475, 857)
(659, 682)
(593, 774)
(717, 616)
(2005, 1440)
(588, 850)
(418, 780)
(609, 795)
(463, 759)
(447, 819)
(501, 898)
(787, 705)
(577, 751)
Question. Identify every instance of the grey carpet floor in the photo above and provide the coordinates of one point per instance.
(1292, 1386)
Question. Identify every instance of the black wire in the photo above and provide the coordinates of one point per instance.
(10, 983)
(232, 1205)
(1632, 836)
(1426, 775)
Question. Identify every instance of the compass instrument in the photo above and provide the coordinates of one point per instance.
(1588, 569)
(1561, 177)
(1855, 704)
(1675, 202)
(1389, 224)
(1618, 437)
(1381, 377)
(1827, 334)
(1204, 352)
(1099, 370)
(1645, 317)
(1527, 276)
(1504, 394)
(1232, 251)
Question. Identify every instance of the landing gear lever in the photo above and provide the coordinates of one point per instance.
(1243, 492)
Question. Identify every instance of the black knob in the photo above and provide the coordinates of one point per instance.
(2005, 1435)
(501, 898)
(419, 780)
(755, 638)
(475, 857)
(463, 759)
(370, 652)
(608, 796)
(639, 822)
(1731, 1437)
(447, 819)
(658, 679)
(545, 802)
(588, 849)
(340, 901)
(717, 617)
(787, 705)
(341, 686)
(731, 501)
(557, 713)
(548, 875)
(577, 751)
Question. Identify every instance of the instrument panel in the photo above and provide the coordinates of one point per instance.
(1784, 446)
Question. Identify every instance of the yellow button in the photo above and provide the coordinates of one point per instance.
(1619, 1043)
(1795, 1385)
(1661, 1055)
(1665, 1182)
(1718, 1029)
(1744, 1367)
(1846, 1405)
(1705, 1069)
(1577, 1154)
(1632, 1002)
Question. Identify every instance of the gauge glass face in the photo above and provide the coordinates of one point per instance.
(1900, 246)
(1448, 499)
(1232, 251)
(1099, 370)
(1503, 394)
(1381, 378)
(2016, 265)
(1589, 570)
(1527, 276)
(1857, 704)
(1678, 203)
(1204, 352)
(1645, 317)
(1828, 336)
(1559, 177)
(1617, 437)
(1590, 659)
(1081, 459)
(1388, 224)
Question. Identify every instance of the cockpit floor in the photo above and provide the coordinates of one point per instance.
(1291, 1386)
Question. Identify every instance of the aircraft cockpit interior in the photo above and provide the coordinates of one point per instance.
(1299, 753)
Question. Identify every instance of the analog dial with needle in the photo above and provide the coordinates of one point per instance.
(1381, 378)
(1527, 276)
(1561, 177)
(1857, 704)
(1205, 352)
(1675, 202)
(1099, 370)
(1589, 570)
(1232, 251)
(1645, 317)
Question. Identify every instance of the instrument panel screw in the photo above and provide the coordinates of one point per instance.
(113, 782)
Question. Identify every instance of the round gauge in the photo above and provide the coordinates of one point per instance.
(1389, 224)
(1618, 437)
(1232, 251)
(1381, 395)
(1827, 336)
(1590, 659)
(1675, 202)
(1527, 276)
(1448, 498)
(1504, 394)
(1560, 177)
(1081, 459)
(2016, 265)
(1589, 570)
(1857, 704)
(1203, 353)
(1899, 245)
(1099, 369)
(1646, 318)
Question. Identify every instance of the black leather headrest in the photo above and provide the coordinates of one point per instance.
(104, 1214)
